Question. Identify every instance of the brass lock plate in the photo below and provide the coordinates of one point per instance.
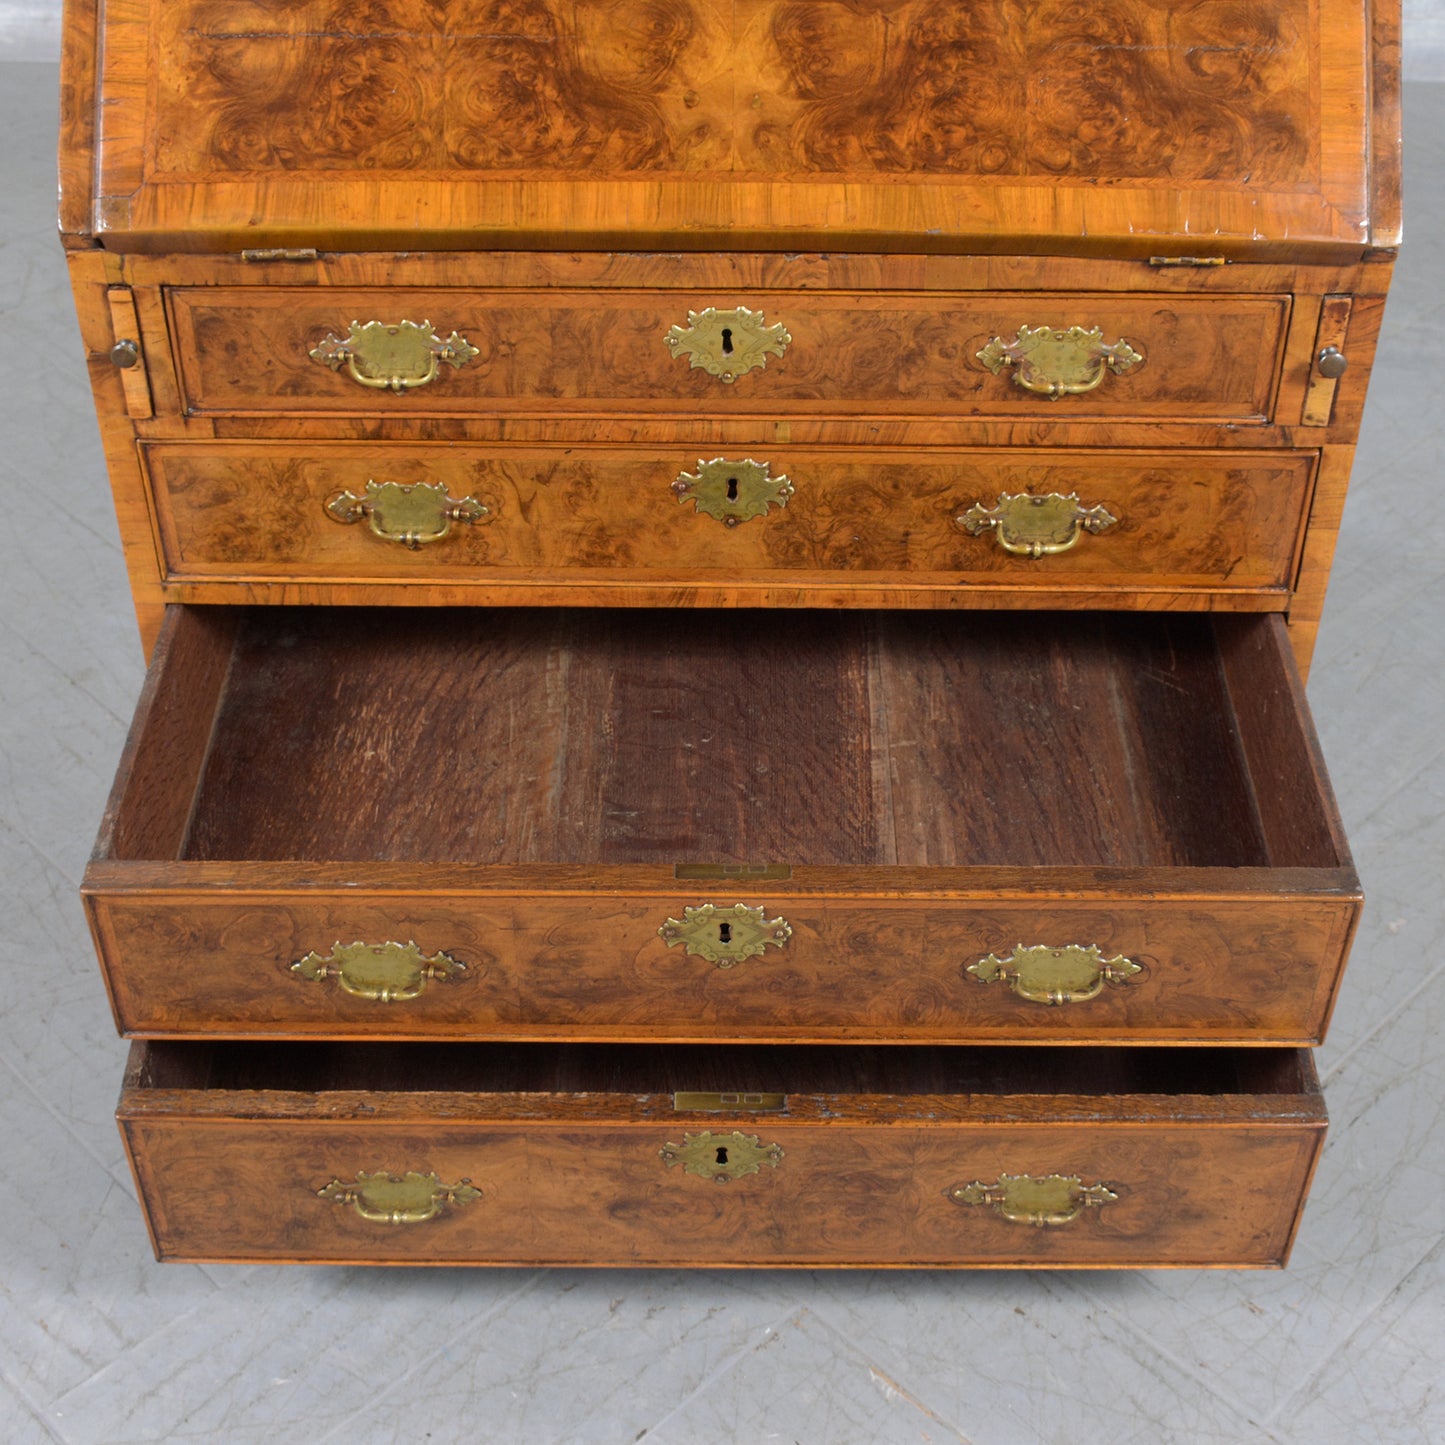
(721, 1157)
(725, 936)
(733, 492)
(727, 343)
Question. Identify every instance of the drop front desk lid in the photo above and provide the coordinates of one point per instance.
(1029, 126)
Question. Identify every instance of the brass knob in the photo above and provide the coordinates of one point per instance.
(1332, 362)
(125, 354)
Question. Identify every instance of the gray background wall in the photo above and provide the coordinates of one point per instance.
(30, 30)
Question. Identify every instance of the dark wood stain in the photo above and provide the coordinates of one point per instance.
(800, 737)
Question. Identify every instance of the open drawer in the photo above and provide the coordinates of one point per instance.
(615, 1155)
(726, 827)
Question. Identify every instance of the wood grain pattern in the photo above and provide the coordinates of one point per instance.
(1209, 1178)
(405, 124)
(553, 966)
(1184, 519)
(525, 784)
(249, 352)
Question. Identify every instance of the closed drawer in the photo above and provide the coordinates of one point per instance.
(292, 351)
(743, 826)
(578, 1155)
(527, 518)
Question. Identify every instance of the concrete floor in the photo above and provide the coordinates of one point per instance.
(100, 1344)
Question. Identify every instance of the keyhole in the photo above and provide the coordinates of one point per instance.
(727, 340)
(732, 489)
(722, 1154)
(724, 933)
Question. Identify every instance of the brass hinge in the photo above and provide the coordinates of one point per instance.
(722, 1103)
(280, 253)
(1188, 261)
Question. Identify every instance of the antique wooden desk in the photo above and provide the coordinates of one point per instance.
(728, 582)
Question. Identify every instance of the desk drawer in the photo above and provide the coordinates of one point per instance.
(303, 351)
(863, 1156)
(744, 826)
(521, 519)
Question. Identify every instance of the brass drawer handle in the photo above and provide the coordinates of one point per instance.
(725, 936)
(1071, 974)
(1043, 1200)
(721, 1157)
(399, 357)
(733, 491)
(1063, 362)
(381, 972)
(1036, 526)
(725, 344)
(422, 512)
(409, 1198)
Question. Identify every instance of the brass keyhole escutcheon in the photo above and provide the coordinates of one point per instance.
(721, 1157)
(725, 936)
(727, 344)
(733, 492)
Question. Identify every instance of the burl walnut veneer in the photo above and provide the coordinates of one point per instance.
(665, 529)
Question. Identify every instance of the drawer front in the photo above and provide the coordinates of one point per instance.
(817, 969)
(306, 352)
(1150, 1193)
(508, 514)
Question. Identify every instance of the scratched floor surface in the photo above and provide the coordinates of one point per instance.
(99, 1344)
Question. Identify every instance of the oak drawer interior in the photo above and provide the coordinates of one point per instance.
(644, 1081)
(597, 738)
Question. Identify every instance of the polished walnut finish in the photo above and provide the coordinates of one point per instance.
(1210, 524)
(730, 420)
(771, 123)
(519, 789)
(412, 305)
(1207, 1153)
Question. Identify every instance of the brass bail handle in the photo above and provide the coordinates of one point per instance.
(1070, 973)
(410, 1198)
(1036, 525)
(1043, 1201)
(410, 515)
(380, 972)
(1059, 361)
(396, 356)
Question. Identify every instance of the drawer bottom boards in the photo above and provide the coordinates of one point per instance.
(610, 1155)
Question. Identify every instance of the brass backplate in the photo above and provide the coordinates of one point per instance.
(1030, 525)
(727, 344)
(1071, 973)
(411, 515)
(380, 972)
(1059, 361)
(409, 1198)
(1040, 1200)
(721, 1157)
(725, 936)
(389, 356)
(733, 492)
